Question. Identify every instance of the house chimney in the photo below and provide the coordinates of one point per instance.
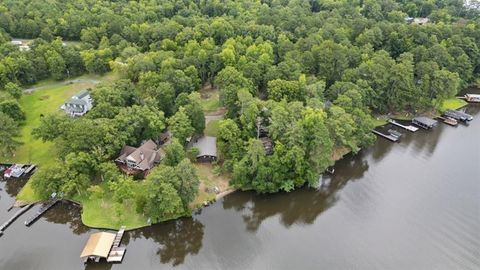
(142, 156)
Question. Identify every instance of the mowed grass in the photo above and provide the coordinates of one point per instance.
(211, 129)
(210, 99)
(104, 212)
(41, 102)
(452, 104)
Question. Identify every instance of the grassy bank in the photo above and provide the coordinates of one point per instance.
(452, 104)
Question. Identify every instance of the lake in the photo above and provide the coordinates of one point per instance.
(408, 205)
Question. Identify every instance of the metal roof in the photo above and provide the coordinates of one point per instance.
(206, 145)
(99, 244)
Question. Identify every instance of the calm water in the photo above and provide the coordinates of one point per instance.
(409, 205)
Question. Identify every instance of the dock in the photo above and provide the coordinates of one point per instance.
(386, 136)
(31, 168)
(44, 208)
(117, 252)
(409, 127)
(14, 217)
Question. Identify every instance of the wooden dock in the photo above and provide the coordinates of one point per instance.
(14, 217)
(386, 136)
(117, 252)
(44, 208)
(409, 127)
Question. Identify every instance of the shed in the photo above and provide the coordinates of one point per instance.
(98, 246)
(207, 148)
(424, 122)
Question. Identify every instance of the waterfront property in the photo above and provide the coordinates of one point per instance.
(207, 148)
(135, 161)
(424, 122)
(79, 104)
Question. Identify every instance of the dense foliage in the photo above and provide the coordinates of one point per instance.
(299, 81)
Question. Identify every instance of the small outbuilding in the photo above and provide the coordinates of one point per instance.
(424, 122)
(98, 246)
(207, 148)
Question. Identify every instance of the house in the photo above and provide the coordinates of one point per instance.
(421, 21)
(139, 161)
(20, 44)
(207, 148)
(79, 104)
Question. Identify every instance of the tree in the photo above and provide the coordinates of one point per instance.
(8, 132)
(51, 127)
(289, 90)
(123, 189)
(56, 65)
(342, 127)
(47, 180)
(180, 126)
(162, 202)
(174, 153)
(12, 109)
(13, 89)
(188, 181)
(194, 110)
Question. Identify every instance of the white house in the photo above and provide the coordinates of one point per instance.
(79, 104)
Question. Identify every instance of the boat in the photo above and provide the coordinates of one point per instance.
(450, 121)
(395, 133)
(17, 170)
(472, 97)
(8, 172)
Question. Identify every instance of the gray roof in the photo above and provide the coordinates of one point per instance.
(426, 120)
(82, 94)
(76, 101)
(206, 145)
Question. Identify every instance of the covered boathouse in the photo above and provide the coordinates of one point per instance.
(424, 122)
(98, 246)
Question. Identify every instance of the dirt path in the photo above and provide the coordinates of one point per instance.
(67, 82)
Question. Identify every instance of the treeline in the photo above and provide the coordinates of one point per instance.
(299, 79)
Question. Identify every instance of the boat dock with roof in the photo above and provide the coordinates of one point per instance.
(104, 245)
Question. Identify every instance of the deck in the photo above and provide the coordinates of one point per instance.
(409, 127)
(117, 252)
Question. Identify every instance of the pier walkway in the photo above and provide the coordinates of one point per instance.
(386, 136)
(14, 217)
(409, 127)
(117, 252)
(44, 208)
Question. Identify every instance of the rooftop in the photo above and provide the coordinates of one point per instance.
(206, 145)
(99, 244)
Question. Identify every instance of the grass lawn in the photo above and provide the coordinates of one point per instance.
(35, 104)
(208, 180)
(452, 104)
(210, 99)
(104, 212)
(211, 129)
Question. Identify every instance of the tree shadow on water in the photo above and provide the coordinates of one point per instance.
(301, 206)
(68, 213)
(177, 239)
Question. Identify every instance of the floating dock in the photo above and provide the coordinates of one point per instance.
(386, 136)
(31, 168)
(409, 127)
(117, 252)
(14, 217)
(44, 208)
(449, 121)
(424, 122)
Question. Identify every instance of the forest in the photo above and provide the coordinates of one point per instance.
(301, 82)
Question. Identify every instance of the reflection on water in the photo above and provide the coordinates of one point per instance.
(255, 208)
